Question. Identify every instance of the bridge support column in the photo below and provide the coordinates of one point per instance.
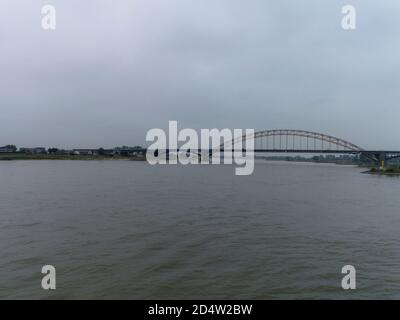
(382, 160)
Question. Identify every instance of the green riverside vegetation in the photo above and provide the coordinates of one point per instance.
(389, 170)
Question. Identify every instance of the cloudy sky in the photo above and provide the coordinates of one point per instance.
(114, 69)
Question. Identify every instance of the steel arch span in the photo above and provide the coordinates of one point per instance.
(299, 140)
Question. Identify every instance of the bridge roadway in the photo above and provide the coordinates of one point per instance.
(144, 150)
(378, 156)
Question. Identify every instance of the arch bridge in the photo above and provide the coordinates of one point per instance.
(292, 141)
(301, 141)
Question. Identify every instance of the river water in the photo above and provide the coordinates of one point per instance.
(125, 229)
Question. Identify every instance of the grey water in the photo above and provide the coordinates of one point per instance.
(128, 230)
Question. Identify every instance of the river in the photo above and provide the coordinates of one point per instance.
(125, 229)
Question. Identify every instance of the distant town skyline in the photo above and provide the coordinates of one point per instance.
(111, 71)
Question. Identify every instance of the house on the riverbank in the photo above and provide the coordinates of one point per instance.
(86, 152)
(127, 151)
(37, 150)
(8, 149)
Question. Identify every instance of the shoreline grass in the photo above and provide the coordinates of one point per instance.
(392, 170)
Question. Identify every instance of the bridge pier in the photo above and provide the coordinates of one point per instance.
(382, 160)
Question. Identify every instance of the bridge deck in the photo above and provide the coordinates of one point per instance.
(289, 151)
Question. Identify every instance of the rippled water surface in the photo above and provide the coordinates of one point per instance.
(125, 229)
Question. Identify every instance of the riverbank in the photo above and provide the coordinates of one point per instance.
(23, 156)
(388, 171)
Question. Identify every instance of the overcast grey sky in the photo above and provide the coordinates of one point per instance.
(114, 69)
